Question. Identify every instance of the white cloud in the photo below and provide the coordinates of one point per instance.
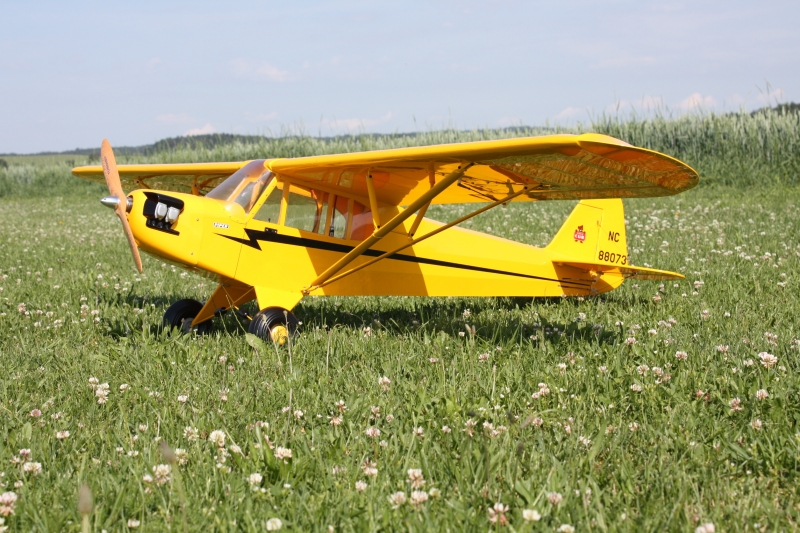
(770, 98)
(174, 118)
(261, 70)
(153, 63)
(696, 101)
(208, 128)
(568, 113)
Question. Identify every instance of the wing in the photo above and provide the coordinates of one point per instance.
(556, 167)
(195, 178)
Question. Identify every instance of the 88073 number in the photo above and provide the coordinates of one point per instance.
(610, 257)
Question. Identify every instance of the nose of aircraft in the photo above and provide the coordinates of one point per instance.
(167, 224)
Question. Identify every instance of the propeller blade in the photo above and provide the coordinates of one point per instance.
(115, 189)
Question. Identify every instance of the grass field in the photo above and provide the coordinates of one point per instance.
(397, 418)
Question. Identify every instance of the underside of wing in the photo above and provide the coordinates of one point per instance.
(555, 167)
(194, 178)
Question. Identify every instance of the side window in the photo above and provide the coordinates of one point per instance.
(271, 208)
(333, 219)
(317, 212)
(303, 210)
(338, 223)
(362, 226)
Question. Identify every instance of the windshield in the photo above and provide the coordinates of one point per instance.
(244, 186)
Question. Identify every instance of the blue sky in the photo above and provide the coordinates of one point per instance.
(74, 72)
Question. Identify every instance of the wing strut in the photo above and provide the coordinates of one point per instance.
(420, 239)
(385, 229)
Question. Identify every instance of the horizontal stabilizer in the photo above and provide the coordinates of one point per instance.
(627, 271)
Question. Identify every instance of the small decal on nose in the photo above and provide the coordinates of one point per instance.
(220, 225)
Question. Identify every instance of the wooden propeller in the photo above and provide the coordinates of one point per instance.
(115, 189)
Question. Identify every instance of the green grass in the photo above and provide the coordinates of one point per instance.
(740, 149)
(692, 459)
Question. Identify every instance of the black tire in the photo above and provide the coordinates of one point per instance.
(271, 324)
(180, 315)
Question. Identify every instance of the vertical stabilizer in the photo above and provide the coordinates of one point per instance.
(594, 233)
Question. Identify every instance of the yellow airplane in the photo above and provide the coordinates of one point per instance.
(276, 230)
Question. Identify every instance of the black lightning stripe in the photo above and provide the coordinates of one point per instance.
(273, 236)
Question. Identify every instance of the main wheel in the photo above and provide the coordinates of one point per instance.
(180, 315)
(273, 323)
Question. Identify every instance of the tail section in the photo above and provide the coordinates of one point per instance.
(594, 233)
(593, 239)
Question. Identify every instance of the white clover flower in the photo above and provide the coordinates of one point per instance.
(191, 434)
(361, 486)
(416, 478)
(373, 432)
(681, 356)
(282, 453)
(566, 528)
(397, 499)
(182, 456)
(162, 473)
(101, 392)
(418, 497)
(384, 383)
(762, 394)
(133, 523)
(735, 404)
(32, 468)
(274, 524)
(183, 398)
(497, 514)
(255, 480)
(554, 498)
(531, 515)
(767, 359)
(705, 528)
(61, 435)
(217, 437)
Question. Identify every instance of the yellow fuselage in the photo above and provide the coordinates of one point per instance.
(279, 262)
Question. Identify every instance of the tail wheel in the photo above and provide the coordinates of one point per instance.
(275, 324)
(180, 315)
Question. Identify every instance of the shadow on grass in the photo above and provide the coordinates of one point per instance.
(496, 320)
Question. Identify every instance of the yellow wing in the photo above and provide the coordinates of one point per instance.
(555, 167)
(193, 178)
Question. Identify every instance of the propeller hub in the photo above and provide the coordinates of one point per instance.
(112, 202)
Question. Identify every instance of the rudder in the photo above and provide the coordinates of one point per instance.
(594, 233)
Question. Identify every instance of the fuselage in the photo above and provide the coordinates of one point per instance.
(218, 238)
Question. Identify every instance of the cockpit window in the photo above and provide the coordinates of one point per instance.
(244, 186)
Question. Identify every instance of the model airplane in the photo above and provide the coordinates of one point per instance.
(277, 230)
